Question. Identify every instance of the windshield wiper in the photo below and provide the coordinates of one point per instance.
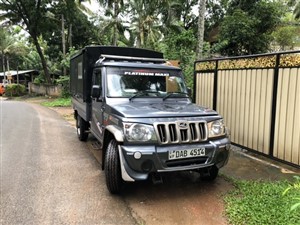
(175, 93)
(141, 93)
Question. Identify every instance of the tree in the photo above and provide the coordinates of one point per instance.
(31, 16)
(247, 27)
(296, 7)
(6, 43)
(145, 23)
(69, 27)
(113, 10)
(181, 47)
(201, 20)
(285, 37)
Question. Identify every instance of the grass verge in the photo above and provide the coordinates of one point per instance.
(59, 102)
(258, 202)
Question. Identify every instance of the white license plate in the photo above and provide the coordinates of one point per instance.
(189, 153)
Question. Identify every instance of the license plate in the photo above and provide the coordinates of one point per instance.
(188, 153)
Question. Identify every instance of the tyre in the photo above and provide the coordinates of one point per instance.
(112, 168)
(82, 127)
(211, 175)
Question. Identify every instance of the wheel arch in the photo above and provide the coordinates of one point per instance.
(111, 132)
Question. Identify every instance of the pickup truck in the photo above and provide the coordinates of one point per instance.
(139, 109)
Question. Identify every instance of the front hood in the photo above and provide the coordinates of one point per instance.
(162, 109)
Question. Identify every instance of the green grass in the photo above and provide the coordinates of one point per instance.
(257, 202)
(59, 102)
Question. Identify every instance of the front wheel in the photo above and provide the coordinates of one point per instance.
(211, 174)
(112, 168)
(82, 127)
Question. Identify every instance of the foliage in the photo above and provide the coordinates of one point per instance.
(296, 189)
(15, 90)
(256, 202)
(31, 15)
(114, 25)
(181, 47)
(145, 22)
(39, 79)
(59, 102)
(78, 30)
(247, 27)
(285, 37)
(65, 82)
(296, 7)
(8, 47)
(170, 26)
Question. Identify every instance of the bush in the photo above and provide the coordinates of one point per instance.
(65, 82)
(15, 90)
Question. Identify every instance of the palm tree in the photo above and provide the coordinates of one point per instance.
(113, 10)
(6, 46)
(145, 22)
(31, 16)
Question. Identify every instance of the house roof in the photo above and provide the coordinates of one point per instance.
(15, 73)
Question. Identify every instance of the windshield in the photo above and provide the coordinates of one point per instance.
(131, 82)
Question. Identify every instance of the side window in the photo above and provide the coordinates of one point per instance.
(97, 77)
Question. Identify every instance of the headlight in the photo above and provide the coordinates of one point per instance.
(139, 132)
(216, 128)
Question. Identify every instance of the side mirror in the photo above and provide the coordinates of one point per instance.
(96, 91)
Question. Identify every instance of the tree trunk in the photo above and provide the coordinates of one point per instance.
(70, 36)
(43, 60)
(63, 37)
(115, 28)
(3, 66)
(142, 36)
(201, 19)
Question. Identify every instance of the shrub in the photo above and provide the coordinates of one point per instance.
(14, 90)
(65, 82)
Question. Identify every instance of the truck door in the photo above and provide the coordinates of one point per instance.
(97, 106)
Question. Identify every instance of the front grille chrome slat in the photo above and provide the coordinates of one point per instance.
(181, 132)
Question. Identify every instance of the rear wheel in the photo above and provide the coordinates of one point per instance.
(82, 127)
(112, 168)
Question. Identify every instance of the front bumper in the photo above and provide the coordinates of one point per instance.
(137, 162)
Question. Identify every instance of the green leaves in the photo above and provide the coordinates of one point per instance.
(257, 202)
(294, 188)
(59, 102)
(247, 27)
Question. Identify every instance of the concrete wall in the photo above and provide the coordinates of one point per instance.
(50, 90)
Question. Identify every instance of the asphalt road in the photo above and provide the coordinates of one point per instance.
(49, 177)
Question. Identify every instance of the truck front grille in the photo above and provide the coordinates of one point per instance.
(181, 132)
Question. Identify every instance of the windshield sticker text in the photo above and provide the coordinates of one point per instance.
(137, 73)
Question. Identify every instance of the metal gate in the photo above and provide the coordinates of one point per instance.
(259, 98)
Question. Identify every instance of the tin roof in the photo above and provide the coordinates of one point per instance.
(14, 72)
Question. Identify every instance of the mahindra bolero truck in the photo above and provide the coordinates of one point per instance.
(138, 108)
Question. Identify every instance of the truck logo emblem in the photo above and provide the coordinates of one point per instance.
(182, 125)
